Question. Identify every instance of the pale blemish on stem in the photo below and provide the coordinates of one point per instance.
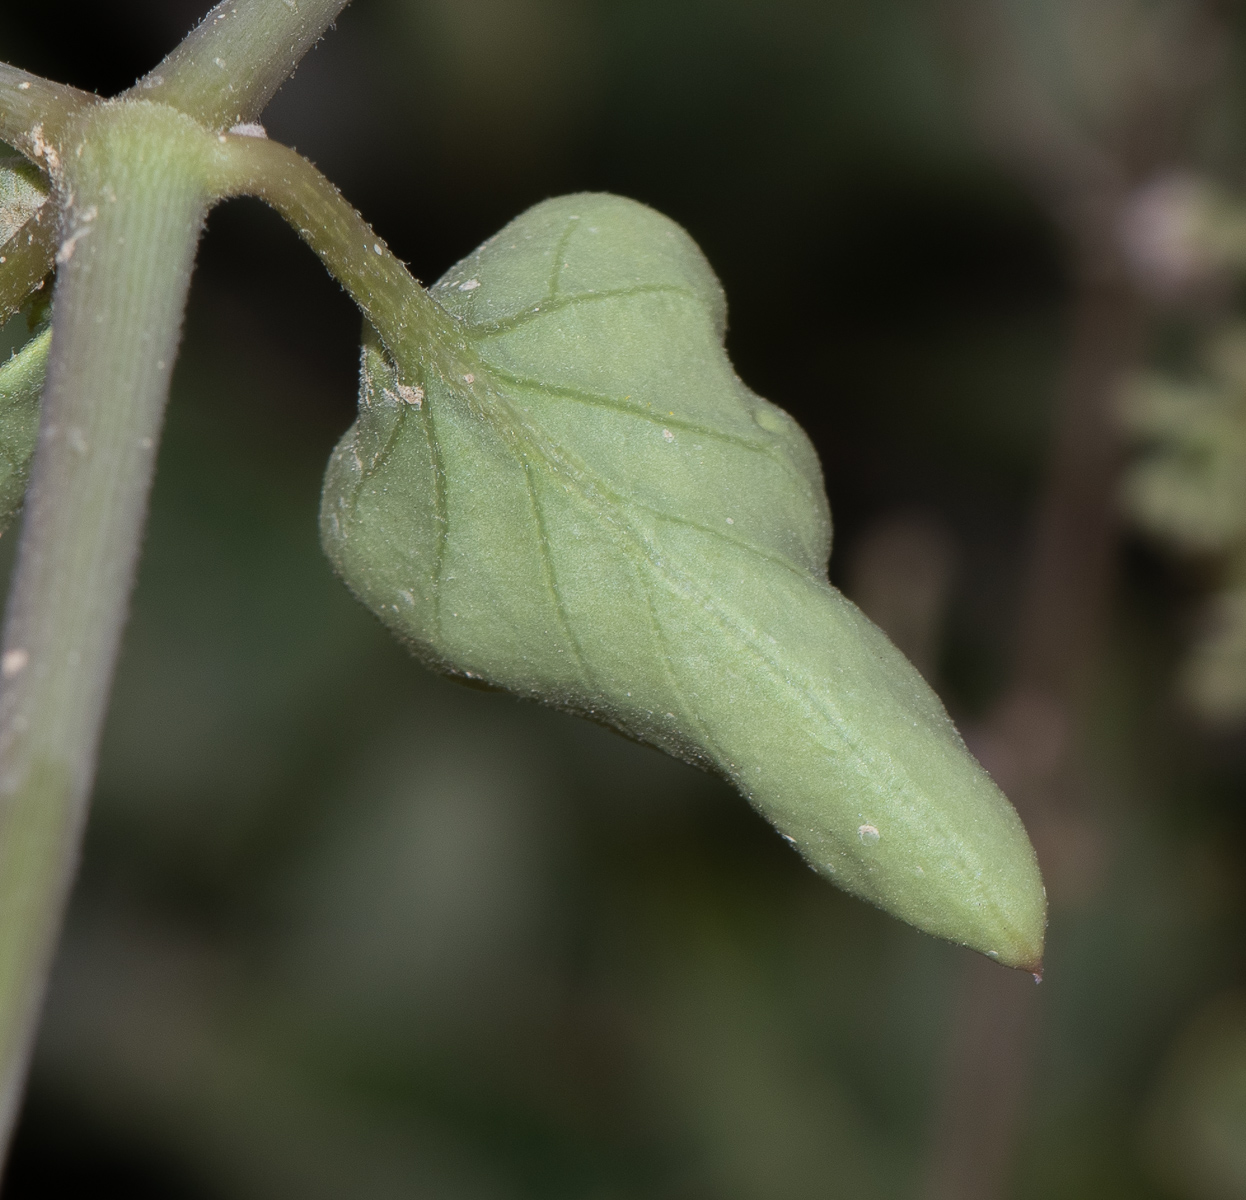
(13, 663)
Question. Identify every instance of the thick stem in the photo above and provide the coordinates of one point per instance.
(34, 111)
(231, 65)
(1030, 744)
(133, 174)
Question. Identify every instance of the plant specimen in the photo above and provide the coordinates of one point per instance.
(556, 484)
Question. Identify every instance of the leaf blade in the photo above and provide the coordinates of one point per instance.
(658, 562)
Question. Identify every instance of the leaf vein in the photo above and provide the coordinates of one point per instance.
(719, 759)
(763, 447)
(779, 560)
(551, 580)
(440, 507)
(552, 305)
(560, 249)
(600, 498)
(598, 400)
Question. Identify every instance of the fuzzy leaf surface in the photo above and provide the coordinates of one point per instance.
(22, 193)
(591, 509)
(21, 385)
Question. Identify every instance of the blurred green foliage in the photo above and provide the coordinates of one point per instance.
(347, 929)
(1190, 489)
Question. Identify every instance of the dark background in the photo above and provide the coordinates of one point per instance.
(347, 929)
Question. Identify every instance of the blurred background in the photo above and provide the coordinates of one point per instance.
(346, 929)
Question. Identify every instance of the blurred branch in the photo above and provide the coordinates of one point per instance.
(1017, 118)
(1070, 567)
(1084, 168)
(1029, 743)
(1081, 173)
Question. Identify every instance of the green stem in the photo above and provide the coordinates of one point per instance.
(136, 209)
(402, 312)
(130, 186)
(226, 71)
(34, 112)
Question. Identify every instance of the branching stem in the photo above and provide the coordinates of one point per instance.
(400, 310)
(133, 180)
(232, 64)
(131, 230)
(34, 112)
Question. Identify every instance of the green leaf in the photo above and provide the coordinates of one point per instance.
(1213, 678)
(22, 193)
(21, 384)
(27, 236)
(583, 504)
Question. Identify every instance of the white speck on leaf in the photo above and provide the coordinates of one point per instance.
(470, 286)
(376, 246)
(251, 129)
(13, 663)
(24, 86)
(414, 396)
(469, 378)
(667, 435)
(868, 834)
(220, 62)
(731, 520)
